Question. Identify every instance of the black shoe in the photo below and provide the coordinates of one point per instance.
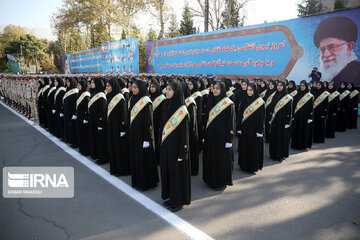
(175, 209)
(167, 203)
(219, 188)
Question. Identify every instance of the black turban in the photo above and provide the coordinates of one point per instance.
(336, 27)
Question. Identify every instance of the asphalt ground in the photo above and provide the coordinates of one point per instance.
(311, 195)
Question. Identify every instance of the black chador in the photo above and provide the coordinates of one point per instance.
(352, 106)
(321, 103)
(302, 125)
(269, 107)
(196, 95)
(59, 107)
(82, 113)
(144, 174)
(124, 90)
(344, 99)
(70, 122)
(334, 106)
(280, 124)
(204, 95)
(250, 127)
(97, 116)
(117, 128)
(51, 106)
(157, 98)
(42, 102)
(218, 155)
(174, 153)
(193, 129)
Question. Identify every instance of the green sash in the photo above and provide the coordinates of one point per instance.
(43, 90)
(58, 91)
(173, 122)
(252, 108)
(96, 97)
(262, 94)
(218, 108)
(196, 94)
(51, 90)
(344, 94)
(158, 101)
(232, 88)
(124, 90)
(114, 101)
(321, 98)
(83, 95)
(189, 101)
(204, 92)
(280, 104)
(354, 93)
(333, 95)
(302, 101)
(164, 91)
(71, 92)
(229, 93)
(268, 101)
(293, 93)
(138, 107)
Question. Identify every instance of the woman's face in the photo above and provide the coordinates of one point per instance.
(244, 86)
(68, 83)
(50, 82)
(162, 83)
(152, 88)
(331, 86)
(199, 85)
(134, 89)
(216, 90)
(302, 87)
(271, 86)
(349, 86)
(318, 86)
(169, 92)
(79, 86)
(342, 85)
(280, 87)
(206, 82)
(291, 85)
(191, 86)
(92, 85)
(250, 91)
(56, 83)
(108, 88)
(262, 84)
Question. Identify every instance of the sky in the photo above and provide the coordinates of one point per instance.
(36, 14)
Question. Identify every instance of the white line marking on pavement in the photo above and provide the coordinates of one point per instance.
(185, 227)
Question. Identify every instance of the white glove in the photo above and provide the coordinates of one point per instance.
(179, 160)
(53, 111)
(309, 121)
(73, 117)
(61, 114)
(203, 140)
(322, 116)
(270, 122)
(287, 126)
(85, 121)
(259, 135)
(146, 144)
(334, 114)
(100, 128)
(122, 134)
(355, 109)
(239, 132)
(228, 145)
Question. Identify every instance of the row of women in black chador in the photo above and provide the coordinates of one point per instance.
(137, 124)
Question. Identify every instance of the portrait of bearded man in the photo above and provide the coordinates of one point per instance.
(335, 38)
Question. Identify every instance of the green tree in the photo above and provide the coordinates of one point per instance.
(309, 7)
(173, 30)
(123, 34)
(151, 36)
(339, 4)
(231, 15)
(187, 23)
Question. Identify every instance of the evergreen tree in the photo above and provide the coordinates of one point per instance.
(123, 34)
(339, 4)
(151, 36)
(230, 15)
(187, 23)
(309, 7)
(174, 27)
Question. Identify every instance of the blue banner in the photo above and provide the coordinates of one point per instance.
(120, 57)
(286, 49)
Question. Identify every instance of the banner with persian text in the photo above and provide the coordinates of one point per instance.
(286, 49)
(13, 61)
(119, 57)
